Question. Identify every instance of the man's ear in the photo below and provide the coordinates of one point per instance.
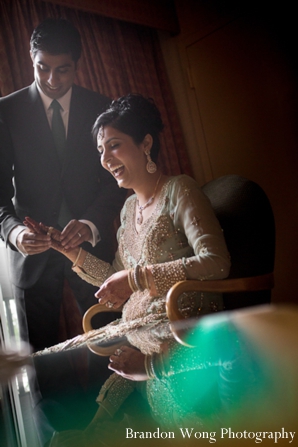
(147, 143)
(32, 57)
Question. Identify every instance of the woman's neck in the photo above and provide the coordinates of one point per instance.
(149, 187)
(146, 196)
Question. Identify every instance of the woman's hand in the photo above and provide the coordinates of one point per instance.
(115, 290)
(129, 363)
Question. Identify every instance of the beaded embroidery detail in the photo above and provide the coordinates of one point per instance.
(114, 392)
(133, 245)
(96, 270)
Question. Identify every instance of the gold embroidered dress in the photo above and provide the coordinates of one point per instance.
(182, 239)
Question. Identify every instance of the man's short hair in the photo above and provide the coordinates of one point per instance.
(56, 36)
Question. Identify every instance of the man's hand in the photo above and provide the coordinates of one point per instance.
(33, 243)
(74, 234)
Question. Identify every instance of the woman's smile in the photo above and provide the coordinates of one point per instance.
(121, 156)
(117, 171)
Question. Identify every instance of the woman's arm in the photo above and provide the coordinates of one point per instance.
(203, 240)
(193, 215)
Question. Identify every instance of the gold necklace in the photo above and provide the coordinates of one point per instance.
(142, 207)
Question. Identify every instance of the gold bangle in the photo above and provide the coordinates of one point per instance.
(144, 278)
(148, 367)
(131, 281)
(77, 258)
(136, 277)
(158, 366)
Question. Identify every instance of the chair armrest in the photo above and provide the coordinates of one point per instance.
(104, 351)
(253, 283)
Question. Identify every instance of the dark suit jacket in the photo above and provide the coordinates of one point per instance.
(28, 156)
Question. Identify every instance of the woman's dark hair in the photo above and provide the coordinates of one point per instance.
(135, 116)
(56, 36)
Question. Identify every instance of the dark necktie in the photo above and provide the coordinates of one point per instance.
(58, 129)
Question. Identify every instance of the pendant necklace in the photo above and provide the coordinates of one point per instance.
(142, 207)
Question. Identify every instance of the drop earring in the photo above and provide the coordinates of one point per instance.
(151, 166)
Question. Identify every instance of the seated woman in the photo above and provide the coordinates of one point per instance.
(168, 233)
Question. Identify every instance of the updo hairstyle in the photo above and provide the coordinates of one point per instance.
(135, 116)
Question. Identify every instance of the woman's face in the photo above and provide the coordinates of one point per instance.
(122, 157)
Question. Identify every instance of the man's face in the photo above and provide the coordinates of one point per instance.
(53, 73)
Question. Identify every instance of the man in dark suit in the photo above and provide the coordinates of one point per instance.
(60, 184)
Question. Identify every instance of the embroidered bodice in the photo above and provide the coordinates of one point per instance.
(182, 239)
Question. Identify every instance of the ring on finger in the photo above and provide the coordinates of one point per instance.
(50, 231)
(109, 304)
(118, 352)
(79, 234)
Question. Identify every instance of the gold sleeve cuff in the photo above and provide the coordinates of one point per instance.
(167, 274)
(94, 270)
(114, 392)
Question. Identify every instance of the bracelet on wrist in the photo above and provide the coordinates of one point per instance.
(144, 278)
(158, 365)
(131, 281)
(138, 279)
(77, 258)
(154, 366)
(148, 367)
